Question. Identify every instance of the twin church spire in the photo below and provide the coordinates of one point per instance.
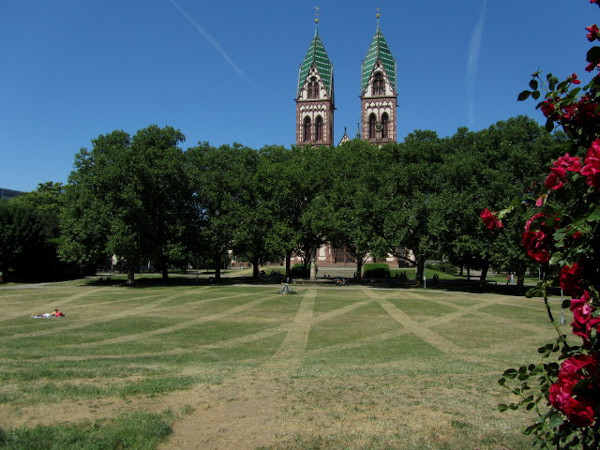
(315, 103)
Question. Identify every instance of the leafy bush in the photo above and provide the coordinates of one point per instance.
(376, 270)
(300, 271)
(445, 267)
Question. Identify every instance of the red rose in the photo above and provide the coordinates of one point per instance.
(574, 392)
(556, 179)
(548, 108)
(490, 220)
(593, 32)
(570, 163)
(536, 245)
(531, 221)
(592, 165)
(583, 322)
(570, 279)
(580, 412)
(573, 79)
(573, 368)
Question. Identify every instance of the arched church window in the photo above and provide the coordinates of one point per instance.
(313, 88)
(372, 124)
(378, 84)
(306, 129)
(319, 129)
(384, 125)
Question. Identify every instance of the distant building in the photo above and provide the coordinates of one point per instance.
(9, 193)
(315, 104)
(315, 108)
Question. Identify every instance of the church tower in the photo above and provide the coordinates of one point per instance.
(378, 93)
(314, 99)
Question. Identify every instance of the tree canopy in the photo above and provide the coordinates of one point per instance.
(142, 200)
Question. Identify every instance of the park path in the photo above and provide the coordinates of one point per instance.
(244, 411)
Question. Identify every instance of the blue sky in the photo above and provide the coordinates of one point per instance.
(226, 72)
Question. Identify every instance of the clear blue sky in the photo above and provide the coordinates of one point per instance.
(226, 71)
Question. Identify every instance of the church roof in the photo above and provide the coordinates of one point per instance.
(379, 51)
(317, 56)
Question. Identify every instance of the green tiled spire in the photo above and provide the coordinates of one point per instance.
(379, 50)
(317, 56)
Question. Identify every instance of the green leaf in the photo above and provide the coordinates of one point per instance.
(533, 84)
(510, 373)
(594, 214)
(549, 125)
(523, 376)
(555, 419)
(566, 304)
(523, 96)
(535, 95)
(593, 55)
(531, 428)
(502, 407)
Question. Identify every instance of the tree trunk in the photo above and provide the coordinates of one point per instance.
(461, 271)
(359, 265)
(420, 271)
(313, 265)
(484, 271)
(520, 279)
(468, 273)
(218, 263)
(255, 267)
(164, 267)
(288, 265)
(130, 274)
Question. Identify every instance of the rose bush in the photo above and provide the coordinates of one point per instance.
(563, 235)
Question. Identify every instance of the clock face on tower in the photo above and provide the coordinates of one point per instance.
(378, 126)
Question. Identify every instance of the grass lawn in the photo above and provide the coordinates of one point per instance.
(245, 367)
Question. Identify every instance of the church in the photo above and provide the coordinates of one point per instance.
(315, 107)
(315, 99)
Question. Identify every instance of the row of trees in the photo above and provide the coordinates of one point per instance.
(143, 198)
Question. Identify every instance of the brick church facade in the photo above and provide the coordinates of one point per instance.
(315, 106)
(315, 99)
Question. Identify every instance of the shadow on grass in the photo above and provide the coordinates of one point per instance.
(453, 285)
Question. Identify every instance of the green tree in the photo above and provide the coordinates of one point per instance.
(413, 186)
(483, 169)
(123, 199)
(23, 244)
(289, 182)
(352, 210)
(220, 179)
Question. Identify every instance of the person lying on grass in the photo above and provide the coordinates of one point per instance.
(55, 313)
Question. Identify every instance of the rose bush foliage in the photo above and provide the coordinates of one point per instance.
(563, 235)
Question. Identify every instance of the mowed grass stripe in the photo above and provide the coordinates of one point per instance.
(180, 326)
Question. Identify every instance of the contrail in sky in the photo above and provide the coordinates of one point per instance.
(473, 63)
(212, 41)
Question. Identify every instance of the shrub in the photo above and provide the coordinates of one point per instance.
(300, 271)
(376, 270)
(444, 266)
